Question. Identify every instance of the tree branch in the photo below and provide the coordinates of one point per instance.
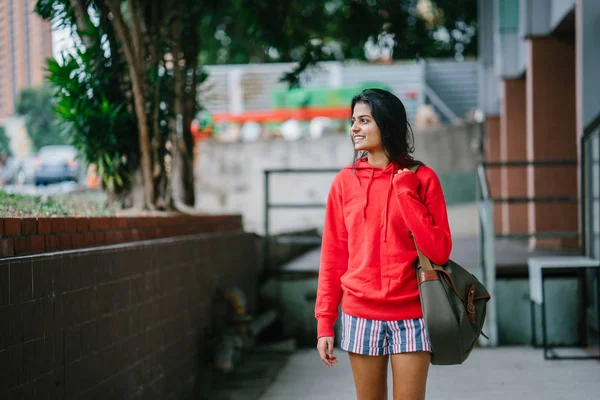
(137, 83)
(142, 20)
(138, 41)
(122, 31)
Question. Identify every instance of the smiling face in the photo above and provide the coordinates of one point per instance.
(365, 132)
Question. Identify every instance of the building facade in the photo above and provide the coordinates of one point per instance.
(540, 93)
(539, 90)
(25, 44)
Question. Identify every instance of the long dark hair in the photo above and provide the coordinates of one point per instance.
(397, 137)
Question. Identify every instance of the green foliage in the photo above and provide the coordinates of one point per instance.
(36, 105)
(102, 130)
(17, 204)
(306, 30)
(92, 98)
(4, 143)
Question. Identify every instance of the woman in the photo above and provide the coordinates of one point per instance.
(368, 259)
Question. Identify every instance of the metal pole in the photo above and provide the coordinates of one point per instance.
(266, 238)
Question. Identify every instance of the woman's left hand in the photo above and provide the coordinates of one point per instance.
(400, 171)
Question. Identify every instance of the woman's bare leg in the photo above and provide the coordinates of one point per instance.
(370, 376)
(410, 375)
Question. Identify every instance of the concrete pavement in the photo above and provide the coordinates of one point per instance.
(505, 373)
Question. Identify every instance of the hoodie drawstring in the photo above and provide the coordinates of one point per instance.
(387, 202)
(367, 194)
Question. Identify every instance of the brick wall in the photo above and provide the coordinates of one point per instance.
(116, 322)
(20, 236)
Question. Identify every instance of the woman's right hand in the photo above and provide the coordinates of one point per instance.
(325, 347)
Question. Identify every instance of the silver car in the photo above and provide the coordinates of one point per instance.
(57, 163)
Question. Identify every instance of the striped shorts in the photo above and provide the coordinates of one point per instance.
(378, 338)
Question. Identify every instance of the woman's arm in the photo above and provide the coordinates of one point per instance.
(427, 220)
(334, 262)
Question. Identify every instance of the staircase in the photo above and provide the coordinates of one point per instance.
(452, 88)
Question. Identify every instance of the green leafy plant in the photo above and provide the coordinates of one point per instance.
(4, 143)
(36, 104)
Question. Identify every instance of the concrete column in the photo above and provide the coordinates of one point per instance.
(513, 144)
(492, 154)
(551, 134)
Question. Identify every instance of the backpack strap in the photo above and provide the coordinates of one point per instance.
(423, 261)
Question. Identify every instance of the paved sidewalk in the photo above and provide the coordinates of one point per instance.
(505, 373)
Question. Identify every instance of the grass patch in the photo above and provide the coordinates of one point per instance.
(71, 204)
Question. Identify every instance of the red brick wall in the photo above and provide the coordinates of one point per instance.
(492, 154)
(117, 322)
(552, 134)
(21, 236)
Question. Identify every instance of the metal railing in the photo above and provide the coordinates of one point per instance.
(439, 103)
(589, 205)
(287, 239)
(487, 253)
(488, 235)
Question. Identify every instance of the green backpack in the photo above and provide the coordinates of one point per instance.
(454, 306)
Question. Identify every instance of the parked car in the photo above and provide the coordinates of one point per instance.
(57, 163)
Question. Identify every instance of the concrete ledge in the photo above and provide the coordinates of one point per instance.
(22, 236)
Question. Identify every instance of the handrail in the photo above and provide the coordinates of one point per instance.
(533, 163)
(268, 206)
(487, 256)
(301, 170)
(536, 199)
(488, 235)
(483, 183)
(439, 103)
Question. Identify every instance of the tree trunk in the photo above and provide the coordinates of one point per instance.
(140, 110)
(136, 66)
(133, 198)
(192, 48)
(179, 150)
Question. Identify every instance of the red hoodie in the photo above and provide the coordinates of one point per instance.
(368, 257)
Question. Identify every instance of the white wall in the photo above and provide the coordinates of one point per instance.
(230, 178)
